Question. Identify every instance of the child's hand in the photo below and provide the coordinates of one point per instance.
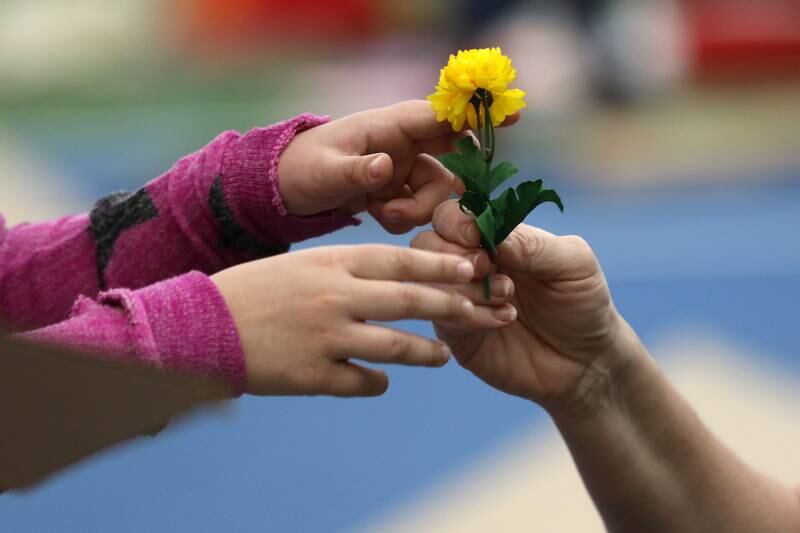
(301, 316)
(379, 160)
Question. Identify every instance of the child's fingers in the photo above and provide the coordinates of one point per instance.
(432, 241)
(447, 143)
(443, 144)
(430, 183)
(418, 121)
(439, 145)
(379, 344)
(357, 174)
(382, 262)
(511, 120)
(393, 300)
(375, 209)
(348, 379)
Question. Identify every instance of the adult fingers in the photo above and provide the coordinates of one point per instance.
(484, 318)
(501, 290)
(382, 262)
(543, 255)
(348, 379)
(379, 344)
(455, 226)
(394, 300)
(432, 241)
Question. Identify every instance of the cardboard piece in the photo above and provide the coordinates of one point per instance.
(57, 408)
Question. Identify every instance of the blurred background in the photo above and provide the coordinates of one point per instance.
(671, 128)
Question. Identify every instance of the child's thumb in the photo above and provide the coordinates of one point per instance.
(367, 173)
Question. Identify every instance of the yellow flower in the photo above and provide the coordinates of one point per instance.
(468, 71)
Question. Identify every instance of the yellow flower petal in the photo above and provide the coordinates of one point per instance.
(472, 117)
(467, 71)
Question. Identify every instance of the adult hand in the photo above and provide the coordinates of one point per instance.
(567, 333)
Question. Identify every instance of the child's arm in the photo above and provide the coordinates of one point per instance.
(239, 198)
(180, 324)
(214, 208)
(296, 323)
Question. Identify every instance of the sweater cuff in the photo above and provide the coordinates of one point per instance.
(250, 183)
(192, 328)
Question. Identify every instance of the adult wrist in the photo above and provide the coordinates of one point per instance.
(608, 384)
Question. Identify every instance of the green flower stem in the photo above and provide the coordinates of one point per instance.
(488, 128)
(487, 287)
(486, 140)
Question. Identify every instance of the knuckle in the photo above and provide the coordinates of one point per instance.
(399, 346)
(329, 343)
(579, 248)
(402, 262)
(530, 245)
(576, 241)
(410, 301)
(350, 173)
(327, 257)
(330, 301)
(365, 255)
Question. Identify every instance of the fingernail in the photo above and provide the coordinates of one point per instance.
(470, 232)
(444, 353)
(473, 258)
(468, 308)
(465, 271)
(506, 314)
(502, 288)
(375, 168)
(393, 216)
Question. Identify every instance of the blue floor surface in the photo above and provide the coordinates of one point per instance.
(728, 261)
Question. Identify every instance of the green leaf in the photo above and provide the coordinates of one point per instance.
(486, 225)
(501, 173)
(454, 163)
(467, 147)
(500, 206)
(473, 164)
(473, 186)
(473, 201)
(513, 206)
(549, 195)
(468, 165)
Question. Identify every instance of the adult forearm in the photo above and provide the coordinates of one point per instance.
(650, 464)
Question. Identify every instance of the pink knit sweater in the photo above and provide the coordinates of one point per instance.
(130, 277)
